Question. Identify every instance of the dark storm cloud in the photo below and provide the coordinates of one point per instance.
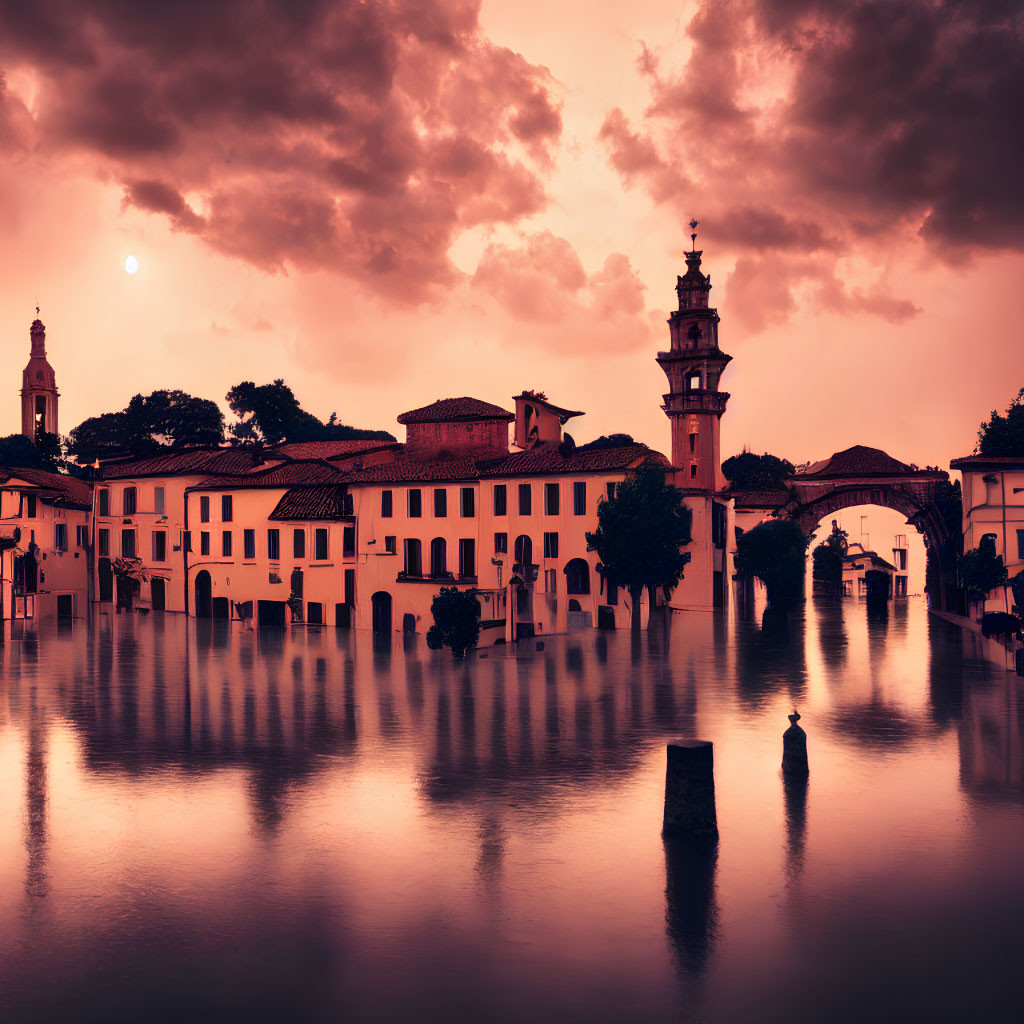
(877, 118)
(359, 137)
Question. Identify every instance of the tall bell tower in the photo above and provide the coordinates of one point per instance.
(38, 387)
(694, 365)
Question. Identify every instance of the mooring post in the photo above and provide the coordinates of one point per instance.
(690, 790)
(794, 747)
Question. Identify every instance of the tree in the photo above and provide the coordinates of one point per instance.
(750, 472)
(163, 419)
(981, 571)
(640, 535)
(774, 552)
(270, 414)
(1004, 435)
(456, 621)
(827, 559)
(18, 451)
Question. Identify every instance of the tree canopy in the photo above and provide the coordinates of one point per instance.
(639, 536)
(19, 451)
(827, 559)
(270, 414)
(750, 472)
(456, 621)
(774, 552)
(1004, 435)
(981, 571)
(163, 419)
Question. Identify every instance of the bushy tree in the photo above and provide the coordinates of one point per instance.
(456, 621)
(1004, 435)
(750, 472)
(827, 558)
(981, 571)
(640, 535)
(774, 552)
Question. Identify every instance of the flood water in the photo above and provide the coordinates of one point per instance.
(202, 823)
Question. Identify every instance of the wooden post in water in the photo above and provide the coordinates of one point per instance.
(794, 747)
(690, 790)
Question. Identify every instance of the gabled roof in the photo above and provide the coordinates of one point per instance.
(329, 449)
(447, 410)
(980, 462)
(59, 485)
(289, 474)
(554, 458)
(182, 462)
(857, 461)
(562, 414)
(325, 502)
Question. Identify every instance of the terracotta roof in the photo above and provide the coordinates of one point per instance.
(857, 461)
(758, 499)
(66, 488)
(312, 503)
(288, 474)
(979, 461)
(182, 462)
(445, 410)
(549, 458)
(412, 471)
(329, 449)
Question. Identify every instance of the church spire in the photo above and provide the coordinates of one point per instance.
(38, 387)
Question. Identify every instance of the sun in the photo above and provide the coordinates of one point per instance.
(131, 265)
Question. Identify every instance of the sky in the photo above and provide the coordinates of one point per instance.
(388, 203)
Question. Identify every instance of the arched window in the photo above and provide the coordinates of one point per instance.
(438, 557)
(577, 577)
(524, 550)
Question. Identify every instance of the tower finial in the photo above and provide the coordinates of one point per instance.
(693, 236)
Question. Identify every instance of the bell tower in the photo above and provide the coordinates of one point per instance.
(694, 365)
(38, 387)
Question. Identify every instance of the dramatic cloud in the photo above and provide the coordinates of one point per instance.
(824, 127)
(351, 136)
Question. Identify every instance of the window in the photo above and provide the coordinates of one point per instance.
(467, 502)
(550, 545)
(60, 536)
(610, 490)
(525, 499)
(348, 542)
(500, 500)
(467, 559)
(438, 557)
(129, 500)
(350, 587)
(501, 543)
(103, 542)
(204, 509)
(551, 499)
(82, 536)
(1020, 543)
(186, 539)
(204, 543)
(440, 502)
(693, 470)
(226, 508)
(524, 551)
(386, 508)
(550, 581)
(104, 497)
(413, 558)
(693, 442)
(159, 546)
(314, 613)
(127, 543)
(391, 545)
(577, 577)
(414, 503)
(225, 544)
(579, 498)
(992, 489)
(274, 545)
(320, 544)
(298, 543)
(249, 545)
(695, 382)
(613, 593)
(719, 526)
(158, 500)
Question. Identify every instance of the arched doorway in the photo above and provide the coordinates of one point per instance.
(204, 595)
(577, 576)
(381, 605)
